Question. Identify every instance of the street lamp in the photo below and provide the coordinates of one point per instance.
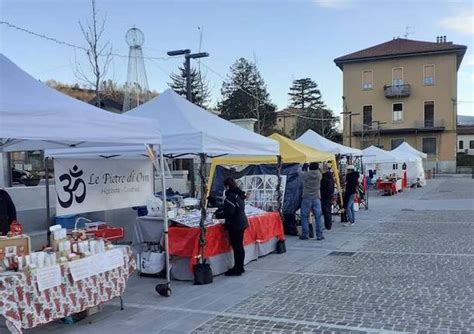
(350, 114)
(187, 65)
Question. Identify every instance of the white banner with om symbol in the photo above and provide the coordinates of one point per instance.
(88, 185)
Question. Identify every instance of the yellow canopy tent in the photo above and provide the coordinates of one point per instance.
(290, 152)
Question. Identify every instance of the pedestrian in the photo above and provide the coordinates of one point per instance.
(233, 211)
(7, 212)
(327, 196)
(352, 185)
(311, 201)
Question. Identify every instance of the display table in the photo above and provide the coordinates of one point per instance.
(390, 187)
(24, 306)
(260, 239)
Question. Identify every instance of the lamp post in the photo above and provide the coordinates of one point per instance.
(187, 65)
(350, 114)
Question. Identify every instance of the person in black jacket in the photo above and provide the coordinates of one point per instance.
(352, 185)
(327, 195)
(7, 212)
(236, 221)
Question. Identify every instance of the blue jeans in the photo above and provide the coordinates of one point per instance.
(307, 206)
(350, 209)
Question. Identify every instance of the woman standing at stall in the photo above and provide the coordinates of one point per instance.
(236, 222)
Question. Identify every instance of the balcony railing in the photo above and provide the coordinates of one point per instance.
(430, 124)
(397, 91)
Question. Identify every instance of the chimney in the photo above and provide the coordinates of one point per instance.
(437, 39)
(444, 39)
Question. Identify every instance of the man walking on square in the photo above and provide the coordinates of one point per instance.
(311, 201)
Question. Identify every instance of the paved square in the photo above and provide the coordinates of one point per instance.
(412, 271)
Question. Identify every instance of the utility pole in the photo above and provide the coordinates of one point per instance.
(187, 64)
(350, 114)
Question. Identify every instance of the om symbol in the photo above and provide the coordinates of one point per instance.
(72, 189)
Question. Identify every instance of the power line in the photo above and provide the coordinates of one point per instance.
(74, 46)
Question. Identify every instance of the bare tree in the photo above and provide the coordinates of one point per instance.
(99, 53)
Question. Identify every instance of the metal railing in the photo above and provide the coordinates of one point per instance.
(397, 91)
(430, 123)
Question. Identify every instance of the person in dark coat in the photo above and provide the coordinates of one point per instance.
(233, 211)
(352, 185)
(327, 195)
(7, 212)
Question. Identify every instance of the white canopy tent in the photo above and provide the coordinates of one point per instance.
(34, 116)
(189, 129)
(407, 148)
(320, 143)
(414, 162)
(382, 162)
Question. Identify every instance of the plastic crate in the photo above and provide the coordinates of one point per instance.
(66, 221)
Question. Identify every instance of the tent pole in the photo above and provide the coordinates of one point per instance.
(202, 222)
(164, 289)
(48, 210)
(279, 165)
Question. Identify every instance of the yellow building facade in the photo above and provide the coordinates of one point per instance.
(403, 90)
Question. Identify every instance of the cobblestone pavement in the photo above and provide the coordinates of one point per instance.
(413, 272)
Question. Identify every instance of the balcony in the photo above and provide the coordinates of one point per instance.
(360, 130)
(397, 91)
(430, 125)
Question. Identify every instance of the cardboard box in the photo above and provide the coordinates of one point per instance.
(17, 245)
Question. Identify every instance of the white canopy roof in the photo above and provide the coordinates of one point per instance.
(34, 116)
(407, 148)
(375, 155)
(320, 143)
(187, 128)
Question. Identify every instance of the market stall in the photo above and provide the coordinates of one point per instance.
(414, 163)
(190, 130)
(386, 168)
(36, 117)
(253, 177)
(345, 156)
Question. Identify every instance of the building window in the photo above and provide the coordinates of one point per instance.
(461, 144)
(471, 144)
(397, 109)
(367, 80)
(428, 75)
(396, 142)
(429, 145)
(279, 120)
(429, 114)
(397, 76)
(367, 116)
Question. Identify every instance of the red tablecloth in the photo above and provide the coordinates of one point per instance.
(388, 186)
(184, 241)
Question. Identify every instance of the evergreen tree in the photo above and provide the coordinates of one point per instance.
(313, 113)
(245, 96)
(200, 92)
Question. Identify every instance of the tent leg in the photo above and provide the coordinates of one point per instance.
(165, 289)
(48, 210)
(279, 184)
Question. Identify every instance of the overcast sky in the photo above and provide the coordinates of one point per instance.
(288, 39)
